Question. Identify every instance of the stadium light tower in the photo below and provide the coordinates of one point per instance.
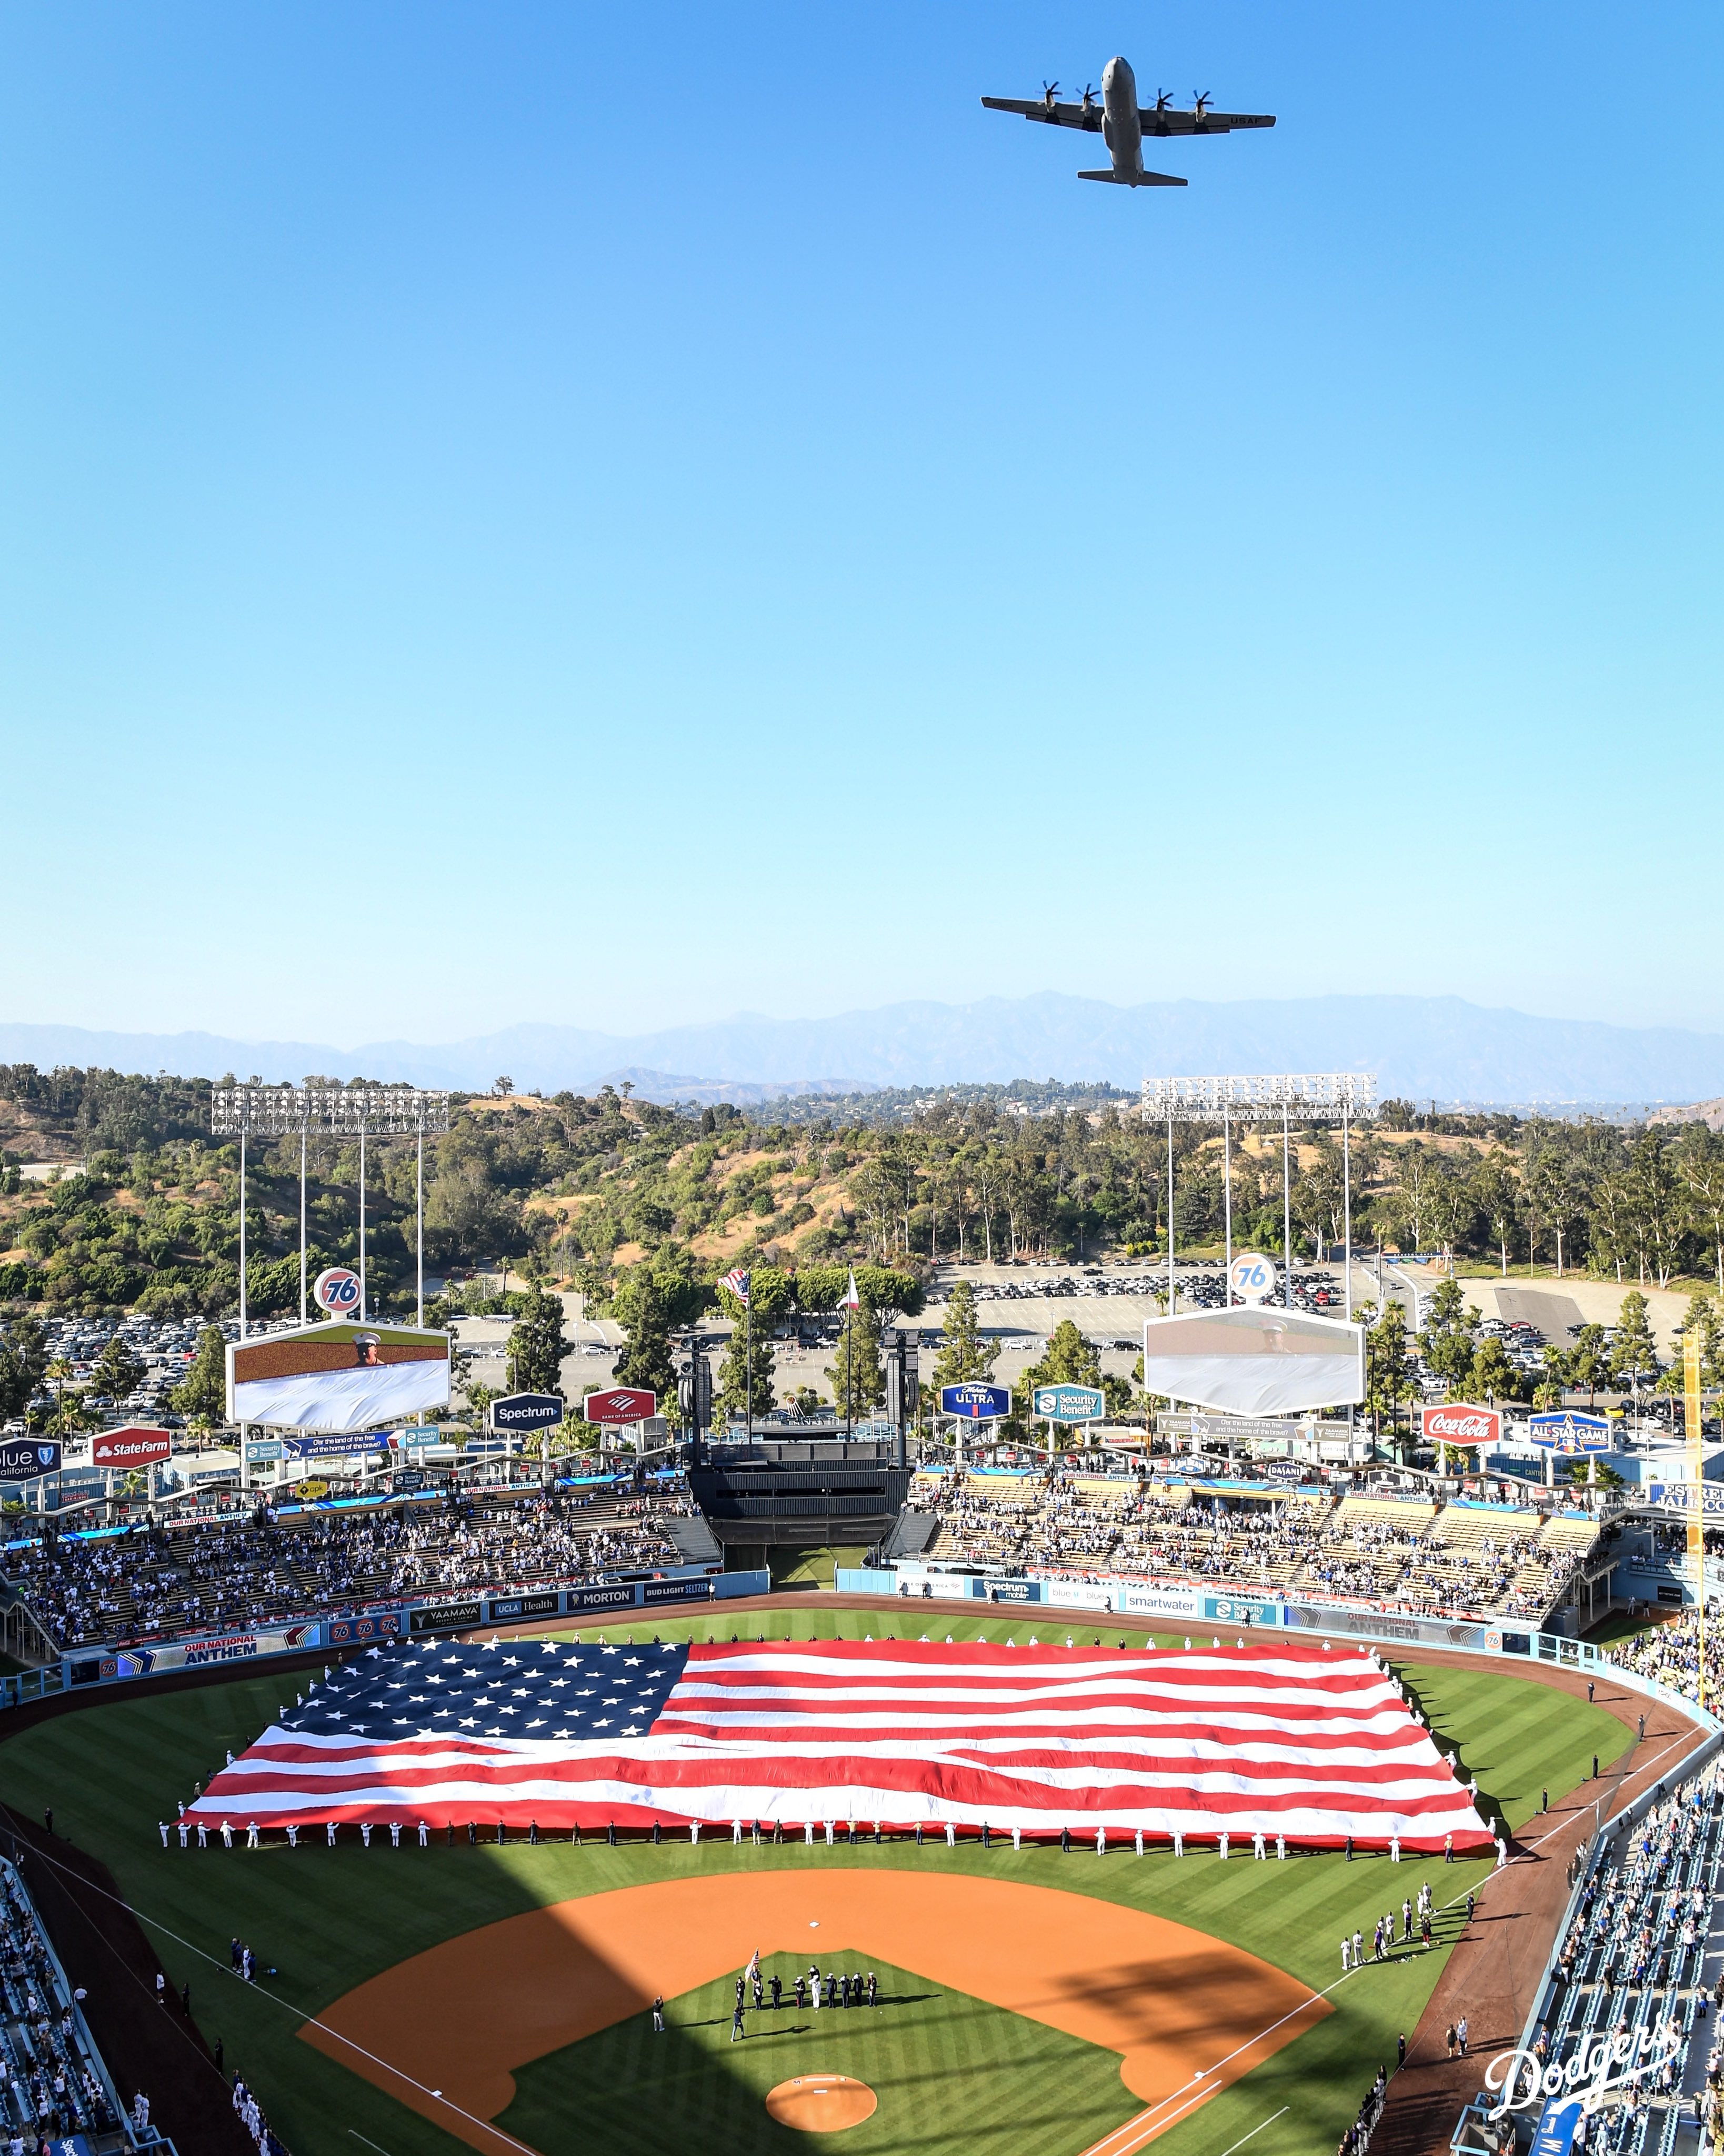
(360, 1110)
(1331, 1097)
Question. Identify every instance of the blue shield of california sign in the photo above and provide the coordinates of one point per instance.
(977, 1403)
(29, 1457)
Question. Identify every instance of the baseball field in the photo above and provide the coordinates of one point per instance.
(423, 2003)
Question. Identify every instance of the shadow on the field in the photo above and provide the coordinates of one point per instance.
(950, 2074)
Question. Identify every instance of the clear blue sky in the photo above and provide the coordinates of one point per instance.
(528, 513)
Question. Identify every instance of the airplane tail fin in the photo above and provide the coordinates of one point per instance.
(1142, 180)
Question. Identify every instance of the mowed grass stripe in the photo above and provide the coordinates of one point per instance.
(948, 2069)
(328, 1919)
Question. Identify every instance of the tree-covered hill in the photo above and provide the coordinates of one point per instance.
(584, 1190)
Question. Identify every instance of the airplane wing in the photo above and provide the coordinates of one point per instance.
(1050, 115)
(1168, 120)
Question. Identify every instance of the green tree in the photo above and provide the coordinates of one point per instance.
(1068, 1360)
(1588, 1360)
(118, 1370)
(1495, 1194)
(1448, 1342)
(642, 1306)
(23, 1359)
(858, 1378)
(1388, 1365)
(537, 1346)
(1493, 1377)
(202, 1396)
(1634, 1352)
(1704, 1311)
(1699, 1163)
(733, 1395)
(965, 1358)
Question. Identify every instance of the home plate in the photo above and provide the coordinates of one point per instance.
(821, 2103)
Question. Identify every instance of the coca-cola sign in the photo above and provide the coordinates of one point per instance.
(1456, 1423)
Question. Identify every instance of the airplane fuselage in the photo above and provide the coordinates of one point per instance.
(1121, 129)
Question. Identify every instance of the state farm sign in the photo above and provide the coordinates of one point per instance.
(620, 1403)
(1457, 1423)
(134, 1446)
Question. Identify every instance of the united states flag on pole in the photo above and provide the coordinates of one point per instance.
(737, 1280)
(1284, 1739)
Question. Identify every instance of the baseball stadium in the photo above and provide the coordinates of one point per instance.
(869, 1870)
(908, 1786)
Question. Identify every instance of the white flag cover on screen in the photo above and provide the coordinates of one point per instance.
(1255, 1360)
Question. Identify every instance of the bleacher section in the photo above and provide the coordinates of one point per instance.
(151, 1583)
(52, 2083)
(1634, 1959)
(1408, 1555)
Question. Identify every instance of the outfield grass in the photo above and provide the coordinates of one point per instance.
(325, 1920)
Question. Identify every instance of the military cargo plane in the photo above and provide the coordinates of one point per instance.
(1123, 123)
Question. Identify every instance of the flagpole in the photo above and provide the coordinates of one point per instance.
(748, 1368)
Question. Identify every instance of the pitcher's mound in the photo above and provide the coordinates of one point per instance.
(821, 2103)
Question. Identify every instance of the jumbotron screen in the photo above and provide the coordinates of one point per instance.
(338, 1377)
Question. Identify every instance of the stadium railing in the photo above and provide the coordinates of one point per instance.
(401, 1617)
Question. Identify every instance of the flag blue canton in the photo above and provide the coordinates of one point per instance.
(540, 1689)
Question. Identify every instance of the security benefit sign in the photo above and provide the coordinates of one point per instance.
(976, 1403)
(1069, 1404)
(1255, 1361)
(338, 1377)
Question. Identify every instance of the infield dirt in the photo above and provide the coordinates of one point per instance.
(444, 2031)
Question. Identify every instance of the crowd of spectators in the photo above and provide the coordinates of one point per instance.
(1631, 1966)
(49, 2087)
(151, 1583)
(1670, 1652)
(1413, 1557)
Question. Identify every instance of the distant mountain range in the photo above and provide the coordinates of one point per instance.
(1420, 1047)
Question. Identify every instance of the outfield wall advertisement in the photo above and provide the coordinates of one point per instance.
(108, 1665)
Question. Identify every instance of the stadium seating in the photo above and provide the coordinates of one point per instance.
(1406, 1555)
(50, 2081)
(1631, 1959)
(157, 1582)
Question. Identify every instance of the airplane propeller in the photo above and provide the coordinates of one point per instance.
(1050, 90)
(1160, 101)
(1089, 97)
(1202, 101)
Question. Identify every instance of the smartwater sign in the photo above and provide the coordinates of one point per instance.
(1069, 1404)
(976, 1403)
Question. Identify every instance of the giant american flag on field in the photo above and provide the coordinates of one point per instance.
(1287, 1739)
